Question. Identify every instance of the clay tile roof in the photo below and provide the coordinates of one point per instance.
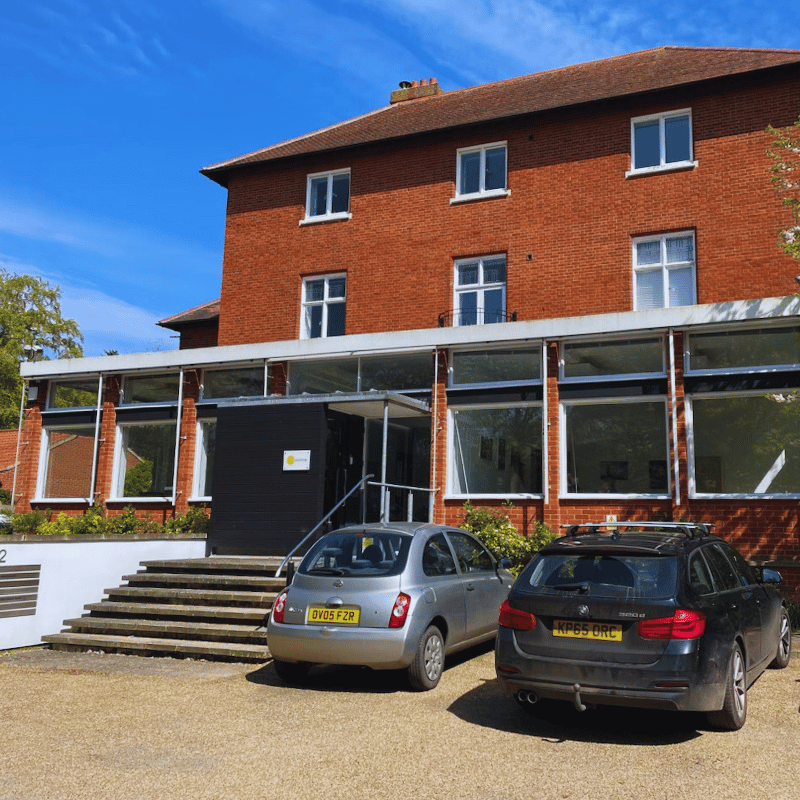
(206, 311)
(643, 71)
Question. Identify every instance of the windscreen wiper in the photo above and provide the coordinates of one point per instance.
(583, 588)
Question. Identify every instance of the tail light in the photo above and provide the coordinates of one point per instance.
(515, 619)
(279, 606)
(683, 624)
(400, 611)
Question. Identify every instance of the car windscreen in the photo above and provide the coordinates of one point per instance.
(357, 554)
(623, 576)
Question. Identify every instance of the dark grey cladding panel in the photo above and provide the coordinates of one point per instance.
(258, 506)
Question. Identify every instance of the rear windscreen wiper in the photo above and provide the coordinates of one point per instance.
(583, 588)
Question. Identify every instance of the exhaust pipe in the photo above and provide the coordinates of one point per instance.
(527, 697)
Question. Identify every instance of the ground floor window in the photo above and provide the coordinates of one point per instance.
(67, 463)
(615, 447)
(744, 444)
(145, 459)
(204, 458)
(496, 450)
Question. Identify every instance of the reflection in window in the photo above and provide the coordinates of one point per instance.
(146, 460)
(616, 448)
(244, 382)
(497, 366)
(204, 461)
(746, 444)
(68, 462)
(387, 373)
(151, 388)
(73, 394)
(742, 349)
(496, 450)
(604, 359)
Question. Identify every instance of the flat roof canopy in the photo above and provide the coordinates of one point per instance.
(369, 405)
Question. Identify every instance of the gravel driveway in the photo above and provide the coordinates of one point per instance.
(109, 727)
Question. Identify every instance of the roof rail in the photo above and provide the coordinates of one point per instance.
(688, 529)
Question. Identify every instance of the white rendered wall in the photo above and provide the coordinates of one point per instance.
(74, 573)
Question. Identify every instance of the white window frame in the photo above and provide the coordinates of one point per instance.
(691, 455)
(663, 266)
(563, 492)
(118, 478)
(44, 463)
(451, 451)
(482, 192)
(480, 288)
(745, 370)
(200, 463)
(326, 302)
(328, 215)
(533, 346)
(664, 165)
(611, 376)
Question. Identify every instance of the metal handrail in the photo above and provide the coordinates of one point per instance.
(321, 523)
(410, 489)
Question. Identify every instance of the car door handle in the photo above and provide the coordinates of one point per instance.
(470, 587)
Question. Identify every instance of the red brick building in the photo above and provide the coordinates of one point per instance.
(561, 289)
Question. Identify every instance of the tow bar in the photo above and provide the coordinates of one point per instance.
(576, 687)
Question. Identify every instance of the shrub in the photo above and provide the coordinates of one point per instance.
(30, 521)
(194, 520)
(495, 529)
(5, 497)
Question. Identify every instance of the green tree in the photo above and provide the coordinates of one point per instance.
(784, 152)
(31, 327)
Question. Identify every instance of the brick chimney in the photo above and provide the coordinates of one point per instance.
(415, 90)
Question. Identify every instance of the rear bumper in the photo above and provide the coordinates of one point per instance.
(696, 683)
(379, 648)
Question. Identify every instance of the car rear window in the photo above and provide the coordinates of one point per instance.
(628, 576)
(364, 554)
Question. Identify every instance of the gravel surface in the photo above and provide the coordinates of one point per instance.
(108, 727)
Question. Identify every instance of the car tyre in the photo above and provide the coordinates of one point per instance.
(733, 713)
(291, 671)
(426, 669)
(784, 652)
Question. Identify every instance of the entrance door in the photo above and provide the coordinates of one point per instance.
(343, 466)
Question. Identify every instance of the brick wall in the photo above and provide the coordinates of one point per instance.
(566, 227)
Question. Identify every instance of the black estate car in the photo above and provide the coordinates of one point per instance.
(655, 615)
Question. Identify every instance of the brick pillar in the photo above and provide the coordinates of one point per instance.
(278, 378)
(29, 447)
(439, 436)
(188, 442)
(679, 509)
(107, 440)
(551, 507)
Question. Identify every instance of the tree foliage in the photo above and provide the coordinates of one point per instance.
(784, 153)
(31, 327)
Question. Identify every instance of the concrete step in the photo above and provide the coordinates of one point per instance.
(170, 629)
(138, 645)
(203, 596)
(232, 564)
(145, 610)
(192, 579)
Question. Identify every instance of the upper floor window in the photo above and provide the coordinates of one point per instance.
(661, 141)
(73, 394)
(323, 306)
(664, 271)
(481, 171)
(480, 291)
(150, 388)
(328, 196)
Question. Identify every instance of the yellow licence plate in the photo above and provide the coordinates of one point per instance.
(332, 616)
(596, 631)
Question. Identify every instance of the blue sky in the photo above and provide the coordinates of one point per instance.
(110, 108)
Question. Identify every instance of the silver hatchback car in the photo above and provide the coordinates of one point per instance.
(388, 596)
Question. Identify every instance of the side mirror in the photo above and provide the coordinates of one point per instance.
(769, 575)
(504, 563)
